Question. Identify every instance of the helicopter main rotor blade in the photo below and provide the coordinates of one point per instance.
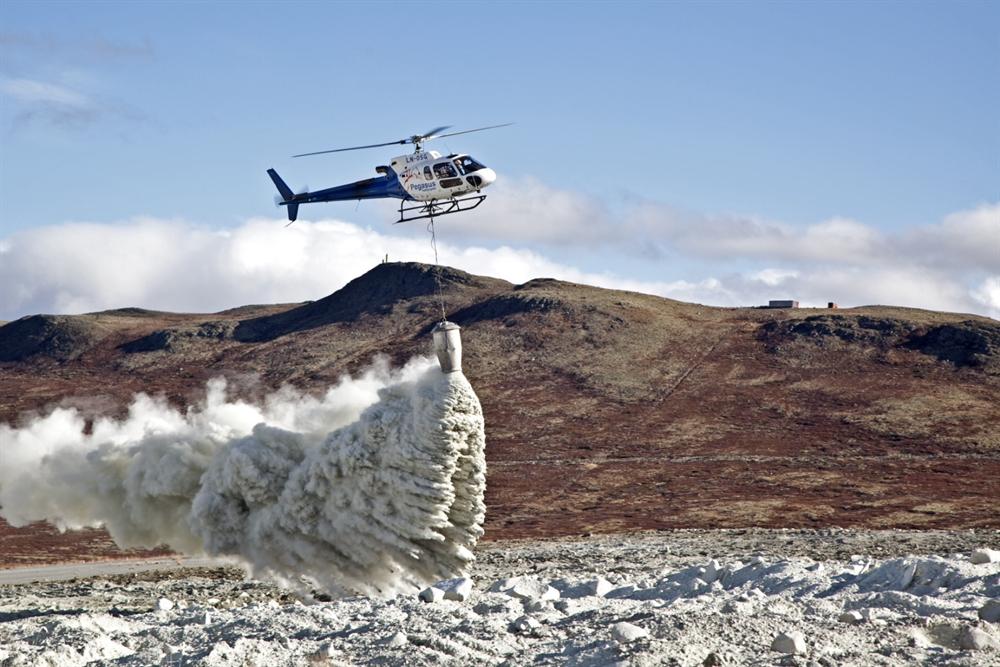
(355, 148)
(478, 129)
(415, 139)
(433, 133)
(409, 140)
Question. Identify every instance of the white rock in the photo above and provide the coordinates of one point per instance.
(599, 587)
(624, 632)
(397, 639)
(919, 639)
(525, 624)
(532, 589)
(712, 571)
(206, 618)
(851, 618)
(974, 639)
(981, 556)
(431, 594)
(456, 589)
(990, 611)
(163, 604)
(103, 649)
(789, 642)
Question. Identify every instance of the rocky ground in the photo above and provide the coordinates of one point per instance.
(688, 597)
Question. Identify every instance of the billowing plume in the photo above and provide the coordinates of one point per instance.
(376, 487)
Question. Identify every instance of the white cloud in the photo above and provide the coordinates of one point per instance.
(774, 277)
(851, 286)
(742, 237)
(815, 288)
(988, 294)
(526, 211)
(56, 104)
(966, 239)
(61, 104)
(26, 90)
(175, 265)
(942, 265)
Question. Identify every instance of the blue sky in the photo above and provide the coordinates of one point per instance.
(780, 115)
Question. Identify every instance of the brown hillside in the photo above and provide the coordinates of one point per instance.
(605, 410)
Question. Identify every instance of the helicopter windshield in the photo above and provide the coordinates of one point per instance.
(466, 164)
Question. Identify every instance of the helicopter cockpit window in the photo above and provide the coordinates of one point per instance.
(444, 170)
(428, 176)
(466, 164)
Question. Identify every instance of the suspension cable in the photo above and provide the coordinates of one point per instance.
(437, 265)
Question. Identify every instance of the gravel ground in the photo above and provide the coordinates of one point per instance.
(688, 597)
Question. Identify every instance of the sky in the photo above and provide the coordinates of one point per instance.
(719, 152)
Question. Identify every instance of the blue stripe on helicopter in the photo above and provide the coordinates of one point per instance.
(370, 188)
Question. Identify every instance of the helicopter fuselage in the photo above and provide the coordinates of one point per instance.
(429, 176)
(423, 176)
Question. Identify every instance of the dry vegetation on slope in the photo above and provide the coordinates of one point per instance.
(605, 410)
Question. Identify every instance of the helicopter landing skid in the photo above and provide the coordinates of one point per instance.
(436, 208)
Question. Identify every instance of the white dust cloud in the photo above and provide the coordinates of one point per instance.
(376, 487)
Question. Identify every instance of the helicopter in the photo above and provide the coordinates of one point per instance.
(443, 184)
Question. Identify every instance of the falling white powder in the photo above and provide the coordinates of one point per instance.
(375, 488)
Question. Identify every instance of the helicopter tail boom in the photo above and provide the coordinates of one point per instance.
(287, 195)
